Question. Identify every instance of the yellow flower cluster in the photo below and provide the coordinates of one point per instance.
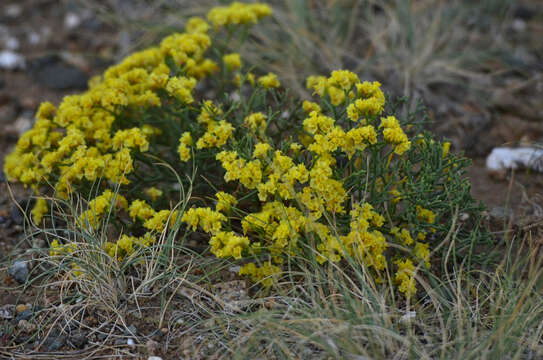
(405, 277)
(39, 210)
(393, 133)
(256, 122)
(269, 81)
(232, 61)
(238, 13)
(99, 206)
(366, 98)
(326, 190)
(185, 142)
(126, 245)
(225, 202)
(153, 193)
(266, 273)
(76, 142)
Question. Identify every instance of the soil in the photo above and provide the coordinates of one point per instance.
(68, 35)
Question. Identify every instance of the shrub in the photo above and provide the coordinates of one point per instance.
(344, 178)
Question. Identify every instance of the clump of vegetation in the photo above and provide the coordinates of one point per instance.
(343, 179)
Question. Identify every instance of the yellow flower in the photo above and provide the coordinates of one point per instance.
(159, 219)
(238, 13)
(225, 201)
(446, 147)
(269, 81)
(261, 150)
(181, 88)
(232, 61)
(196, 25)
(185, 142)
(405, 277)
(256, 122)
(225, 244)
(265, 274)
(422, 252)
(39, 210)
(425, 215)
(309, 107)
(205, 218)
(153, 193)
(141, 210)
(216, 136)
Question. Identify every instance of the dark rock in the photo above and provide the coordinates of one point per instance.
(19, 271)
(24, 315)
(523, 12)
(16, 215)
(131, 330)
(53, 72)
(119, 342)
(2, 176)
(57, 343)
(54, 341)
(78, 340)
(22, 339)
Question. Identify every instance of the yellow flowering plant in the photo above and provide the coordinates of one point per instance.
(338, 178)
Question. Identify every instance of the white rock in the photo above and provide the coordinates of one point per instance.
(10, 60)
(503, 158)
(71, 21)
(33, 38)
(11, 43)
(13, 10)
(408, 316)
(154, 358)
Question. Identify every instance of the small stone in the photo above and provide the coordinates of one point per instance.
(51, 71)
(13, 10)
(151, 346)
(22, 307)
(55, 341)
(131, 331)
(11, 43)
(120, 342)
(21, 125)
(19, 271)
(33, 38)
(164, 330)
(78, 340)
(10, 60)
(7, 311)
(16, 215)
(71, 21)
(154, 358)
(25, 315)
(26, 326)
(131, 343)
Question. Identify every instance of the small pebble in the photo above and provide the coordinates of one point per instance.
(26, 326)
(151, 346)
(13, 10)
(10, 60)
(154, 358)
(78, 340)
(131, 331)
(25, 315)
(19, 271)
(21, 307)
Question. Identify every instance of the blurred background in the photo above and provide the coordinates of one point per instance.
(476, 65)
